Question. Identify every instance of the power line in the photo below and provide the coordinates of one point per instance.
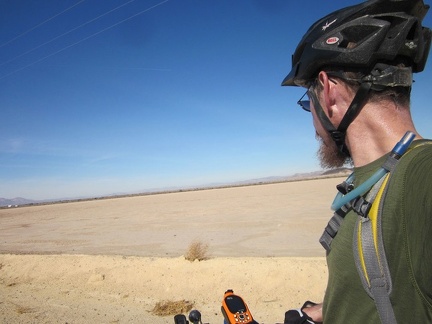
(40, 24)
(68, 32)
(84, 39)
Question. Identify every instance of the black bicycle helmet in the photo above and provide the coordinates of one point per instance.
(373, 37)
(360, 36)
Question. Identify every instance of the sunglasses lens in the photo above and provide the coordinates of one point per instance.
(305, 104)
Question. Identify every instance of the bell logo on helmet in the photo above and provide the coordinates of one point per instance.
(410, 45)
(328, 24)
(332, 40)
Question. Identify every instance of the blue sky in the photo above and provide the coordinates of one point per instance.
(117, 96)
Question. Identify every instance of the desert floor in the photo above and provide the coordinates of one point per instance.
(113, 260)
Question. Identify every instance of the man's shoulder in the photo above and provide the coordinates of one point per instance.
(419, 155)
(414, 170)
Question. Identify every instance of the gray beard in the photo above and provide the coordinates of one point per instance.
(329, 155)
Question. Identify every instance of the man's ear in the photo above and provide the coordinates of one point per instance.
(328, 94)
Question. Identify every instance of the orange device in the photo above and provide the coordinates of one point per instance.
(235, 310)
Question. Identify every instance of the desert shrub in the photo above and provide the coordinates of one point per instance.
(24, 309)
(197, 250)
(169, 307)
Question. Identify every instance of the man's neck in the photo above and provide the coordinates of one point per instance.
(371, 136)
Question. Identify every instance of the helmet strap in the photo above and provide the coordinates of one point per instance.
(338, 134)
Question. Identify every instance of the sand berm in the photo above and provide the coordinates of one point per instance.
(114, 260)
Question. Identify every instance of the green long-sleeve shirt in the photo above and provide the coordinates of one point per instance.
(407, 232)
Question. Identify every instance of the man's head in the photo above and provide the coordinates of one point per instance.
(373, 48)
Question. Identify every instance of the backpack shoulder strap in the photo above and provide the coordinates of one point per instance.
(369, 256)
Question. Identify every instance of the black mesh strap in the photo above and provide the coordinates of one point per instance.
(338, 135)
(353, 110)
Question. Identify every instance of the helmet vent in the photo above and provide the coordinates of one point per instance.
(412, 33)
(355, 35)
(398, 24)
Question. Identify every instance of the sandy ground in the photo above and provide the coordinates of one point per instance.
(111, 261)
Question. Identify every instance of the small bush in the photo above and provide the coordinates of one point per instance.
(24, 310)
(169, 307)
(197, 250)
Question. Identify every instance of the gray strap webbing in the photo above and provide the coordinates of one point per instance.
(390, 163)
(333, 227)
(331, 231)
(379, 286)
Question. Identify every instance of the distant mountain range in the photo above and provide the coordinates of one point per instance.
(15, 202)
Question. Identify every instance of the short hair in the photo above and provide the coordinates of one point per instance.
(399, 95)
